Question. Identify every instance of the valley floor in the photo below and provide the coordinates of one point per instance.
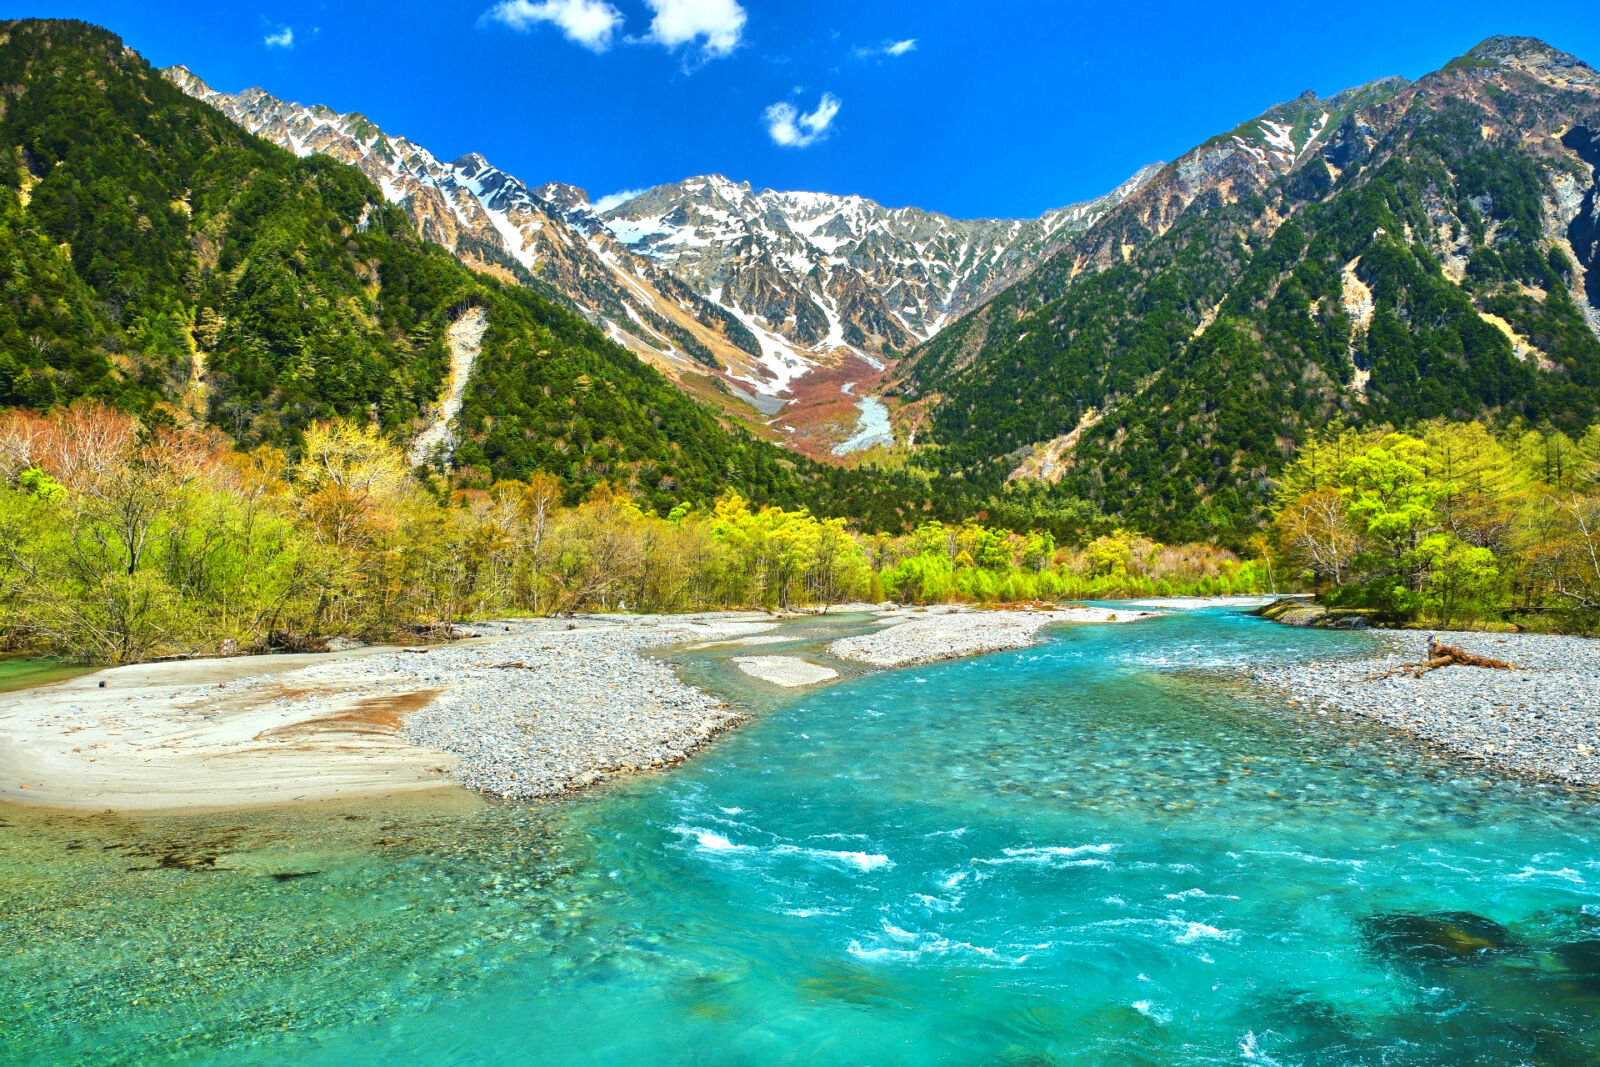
(541, 707)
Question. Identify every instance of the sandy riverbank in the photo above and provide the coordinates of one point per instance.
(1542, 719)
(918, 636)
(216, 733)
(531, 709)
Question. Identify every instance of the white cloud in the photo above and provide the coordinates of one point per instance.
(720, 23)
(789, 128)
(590, 23)
(611, 200)
(887, 48)
(283, 38)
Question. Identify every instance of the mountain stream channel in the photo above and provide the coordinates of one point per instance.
(1100, 850)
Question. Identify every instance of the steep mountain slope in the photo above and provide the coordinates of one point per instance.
(1401, 251)
(156, 255)
(766, 291)
(1230, 167)
(496, 224)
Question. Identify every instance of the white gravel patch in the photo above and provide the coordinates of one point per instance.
(551, 709)
(790, 672)
(957, 632)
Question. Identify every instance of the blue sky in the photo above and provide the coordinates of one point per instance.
(1000, 108)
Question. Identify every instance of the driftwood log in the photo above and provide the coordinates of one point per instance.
(1447, 656)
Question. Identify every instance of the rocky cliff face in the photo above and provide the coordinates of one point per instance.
(707, 278)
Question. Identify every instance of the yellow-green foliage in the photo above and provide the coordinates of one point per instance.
(119, 543)
(971, 562)
(1448, 523)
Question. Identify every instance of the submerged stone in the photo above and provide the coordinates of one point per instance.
(1440, 937)
(1581, 961)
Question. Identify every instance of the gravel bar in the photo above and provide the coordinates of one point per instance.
(1542, 719)
(551, 709)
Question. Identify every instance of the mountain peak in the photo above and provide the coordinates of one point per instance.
(1504, 47)
(1531, 56)
(563, 196)
(188, 81)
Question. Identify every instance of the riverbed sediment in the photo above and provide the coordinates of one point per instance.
(1542, 719)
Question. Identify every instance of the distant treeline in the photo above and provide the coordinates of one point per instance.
(121, 542)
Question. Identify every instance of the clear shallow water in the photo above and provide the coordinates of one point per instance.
(1079, 853)
(20, 673)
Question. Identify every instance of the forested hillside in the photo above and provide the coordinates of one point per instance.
(156, 256)
(1417, 251)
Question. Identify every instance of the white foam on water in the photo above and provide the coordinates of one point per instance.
(906, 946)
(1250, 1050)
(1149, 1011)
(1186, 932)
(1050, 856)
(1193, 932)
(1199, 894)
(811, 913)
(861, 861)
(709, 840)
(714, 842)
(1564, 874)
(933, 903)
(1304, 857)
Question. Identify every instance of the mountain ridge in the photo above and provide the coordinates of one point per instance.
(1425, 249)
(706, 278)
(156, 257)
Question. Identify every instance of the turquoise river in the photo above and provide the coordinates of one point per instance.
(1096, 851)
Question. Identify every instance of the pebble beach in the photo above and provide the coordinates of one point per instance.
(1542, 719)
(553, 709)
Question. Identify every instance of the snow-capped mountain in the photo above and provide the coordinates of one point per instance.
(705, 276)
(838, 270)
